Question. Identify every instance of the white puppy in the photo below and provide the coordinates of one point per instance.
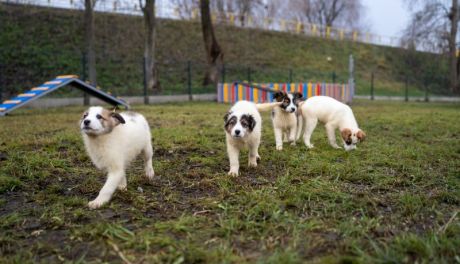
(284, 118)
(243, 127)
(333, 114)
(112, 141)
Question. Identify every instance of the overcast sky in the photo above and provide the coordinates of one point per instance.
(386, 17)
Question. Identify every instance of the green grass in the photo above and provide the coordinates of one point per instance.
(390, 201)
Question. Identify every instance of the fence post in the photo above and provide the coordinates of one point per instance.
(223, 73)
(372, 86)
(249, 74)
(1, 83)
(426, 93)
(189, 80)
(351, 80)
(144, 72)
(333, 77)
(406, 93)
(290, 75)
(83, 76)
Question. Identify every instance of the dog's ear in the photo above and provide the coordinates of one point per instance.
(118, 118)
(346, 134)
(297, 95)
(250, 121)
(361, 135)
(226, 116)
(279, 96)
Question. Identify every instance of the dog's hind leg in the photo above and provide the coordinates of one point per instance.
(253, 153)
(113, 180)
(148, 154)
(310, 125)
(285, 136)
(292, 134)
(299, 127)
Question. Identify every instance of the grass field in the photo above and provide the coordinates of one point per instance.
(393, 200)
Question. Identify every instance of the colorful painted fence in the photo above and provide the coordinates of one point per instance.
(260, 93)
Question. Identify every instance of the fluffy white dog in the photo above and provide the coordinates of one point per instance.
(284, 118)
(243, 127)
(333, 114)
(112, 141)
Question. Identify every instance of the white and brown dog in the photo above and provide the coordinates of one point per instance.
(284, 117)
(112, 141)
(333, 114)
(243, 127)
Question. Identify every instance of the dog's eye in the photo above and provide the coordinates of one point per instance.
(98, 116)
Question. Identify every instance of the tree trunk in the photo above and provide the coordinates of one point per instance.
(149, 47)
(453, 17)
(89, 45)
(214, 54)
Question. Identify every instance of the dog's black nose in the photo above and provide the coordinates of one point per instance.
(292, 109)
(86, 122)
(237, 132)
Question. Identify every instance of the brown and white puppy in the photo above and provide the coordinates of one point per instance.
(333, 114)
(243, 127)
(284, 117)
(112, 141)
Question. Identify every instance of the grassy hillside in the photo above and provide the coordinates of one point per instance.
(389, 201)
(38, 43)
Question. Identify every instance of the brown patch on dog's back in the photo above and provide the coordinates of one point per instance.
(111, 119)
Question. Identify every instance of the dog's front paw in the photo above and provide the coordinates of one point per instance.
(252, 164)
(96, 203)
(233, 173)
(122, 186)
(310, 146)
(149, 173)
(279, 147)
(258, 157)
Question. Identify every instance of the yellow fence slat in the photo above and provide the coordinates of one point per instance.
(240, 92)
(226, 92)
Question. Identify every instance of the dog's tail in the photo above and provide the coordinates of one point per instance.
(267, 106)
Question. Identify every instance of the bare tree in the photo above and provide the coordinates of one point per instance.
(214, 54)
(245, 8)
(89, 45)
(185, 8)
(453, 61)
(434, 27)
(149, 47)
(328, 13)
